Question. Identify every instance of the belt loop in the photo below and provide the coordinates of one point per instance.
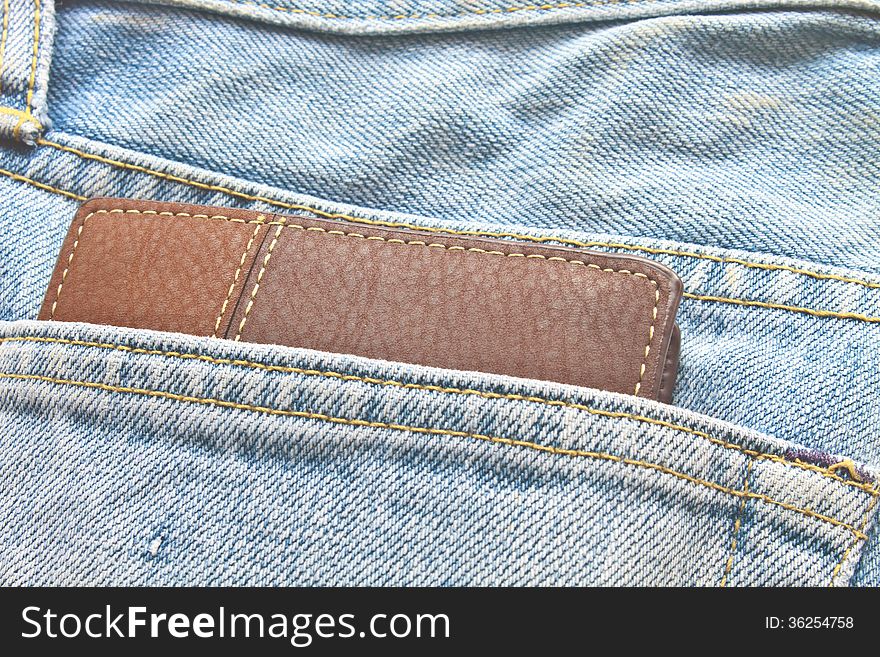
(26, 34)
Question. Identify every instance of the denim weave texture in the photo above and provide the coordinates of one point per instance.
(735, 142)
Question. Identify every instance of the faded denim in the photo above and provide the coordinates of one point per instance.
(734, 142)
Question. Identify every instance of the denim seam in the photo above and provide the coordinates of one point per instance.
(604, 456)
(241, 262)
(253, 297)
(372, 238)
(434, 229)
(749, 303)
(740, 302)
(544, 7)
(853, 545)
(738, 524)
(283, 369)
(30, 181)
(398, 17)
(531, 238)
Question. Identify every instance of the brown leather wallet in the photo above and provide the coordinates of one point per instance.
(458, 301)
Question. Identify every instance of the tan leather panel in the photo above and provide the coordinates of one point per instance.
(168, 273)
(469, 303)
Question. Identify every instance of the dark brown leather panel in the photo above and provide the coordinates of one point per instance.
(470, 303)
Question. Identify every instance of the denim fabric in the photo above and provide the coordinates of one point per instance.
(725, 130)
(257, 471)
(739, 148)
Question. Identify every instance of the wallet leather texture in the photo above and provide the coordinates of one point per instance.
(464, 302)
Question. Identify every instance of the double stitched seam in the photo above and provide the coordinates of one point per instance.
(434, 229)
(376, 238)
(829, 473)
(43, 186)
(268, 256)
(448, 231)
(441, 432)
(247, 249)
(861, 536)
(778, 306)
(738, 523)
(764, 266)
(399, 17)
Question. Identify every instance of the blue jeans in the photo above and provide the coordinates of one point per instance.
(734, 142)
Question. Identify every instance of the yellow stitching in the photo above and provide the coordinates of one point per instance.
(151, 212)
(533, 256)
(734, 261)
(25, 116)
(650, 339)
(285, 369)
(36, 49)
(22, 116)
(318, 229)
(847, 465)
(3, 38)
(441, 432)
(737, 524)
(846, 554)
(79, 232)
(531, 238)
(247, 250)
(39, 185)
(433, 229)
(222, 217)
(779, 306)
(398, 17)
(250, 303)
